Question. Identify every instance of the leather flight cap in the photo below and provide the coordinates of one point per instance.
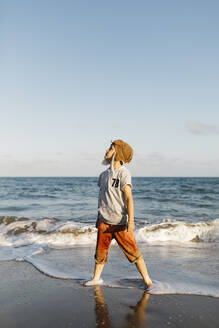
(124, 151)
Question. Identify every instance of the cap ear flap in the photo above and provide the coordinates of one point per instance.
(124, 151)
(119, 155)
(129, 158)
(116, 154)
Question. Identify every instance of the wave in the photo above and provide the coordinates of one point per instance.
(158, 287)
(50, 232)
(177, 231)
(53, 232)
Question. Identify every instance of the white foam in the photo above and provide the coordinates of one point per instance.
(191, 272)
(9, 253)
(158, 287)
(51, 271)
(5, 241)
(183, 232)
(162, 287)
(58, 234)
(47, 232)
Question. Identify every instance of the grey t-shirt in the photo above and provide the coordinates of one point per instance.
(112, 205)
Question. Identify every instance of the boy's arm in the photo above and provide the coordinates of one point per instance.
(97, 222)
(130, 207)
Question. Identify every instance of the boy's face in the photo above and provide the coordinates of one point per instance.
(110, 152)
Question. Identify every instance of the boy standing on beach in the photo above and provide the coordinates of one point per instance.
(116, 212)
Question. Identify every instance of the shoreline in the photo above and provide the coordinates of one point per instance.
(32, 299)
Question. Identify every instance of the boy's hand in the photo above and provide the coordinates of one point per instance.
(131, 227)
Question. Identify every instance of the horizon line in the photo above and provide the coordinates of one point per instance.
(96, 176)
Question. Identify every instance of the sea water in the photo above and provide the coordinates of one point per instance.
(50, 223)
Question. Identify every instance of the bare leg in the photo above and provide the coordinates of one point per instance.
(141, 266)
(96, 277)
(97, 271)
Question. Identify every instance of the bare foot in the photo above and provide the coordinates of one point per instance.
(148, 283)
(93, 282)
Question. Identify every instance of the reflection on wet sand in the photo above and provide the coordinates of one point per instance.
(136, 319)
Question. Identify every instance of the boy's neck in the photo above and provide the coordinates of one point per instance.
(116, 165)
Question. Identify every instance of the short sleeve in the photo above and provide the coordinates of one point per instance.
(125, 179)
(98, 183)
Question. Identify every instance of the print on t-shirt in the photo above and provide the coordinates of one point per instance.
(115, 183)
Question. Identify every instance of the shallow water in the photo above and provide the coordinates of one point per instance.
(49, 222)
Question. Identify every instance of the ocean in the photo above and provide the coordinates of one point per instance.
(50, 223)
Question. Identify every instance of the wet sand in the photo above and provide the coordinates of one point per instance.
(30, 299)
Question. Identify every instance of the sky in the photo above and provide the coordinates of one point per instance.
(77, 74)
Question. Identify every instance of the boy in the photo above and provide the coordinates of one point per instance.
(116, 212)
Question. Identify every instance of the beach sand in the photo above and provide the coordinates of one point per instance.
(29, 299)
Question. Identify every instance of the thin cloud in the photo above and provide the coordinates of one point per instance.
(161, 164)
(202, 129)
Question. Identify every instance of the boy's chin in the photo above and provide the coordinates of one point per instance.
(106, 161)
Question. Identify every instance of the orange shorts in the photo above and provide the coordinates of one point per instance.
(125, 239)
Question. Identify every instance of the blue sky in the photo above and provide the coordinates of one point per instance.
(77, 74)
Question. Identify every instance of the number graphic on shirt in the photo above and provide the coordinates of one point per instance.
(115, 183)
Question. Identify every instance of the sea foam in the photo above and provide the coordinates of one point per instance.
(52, 232)
(183, 232)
